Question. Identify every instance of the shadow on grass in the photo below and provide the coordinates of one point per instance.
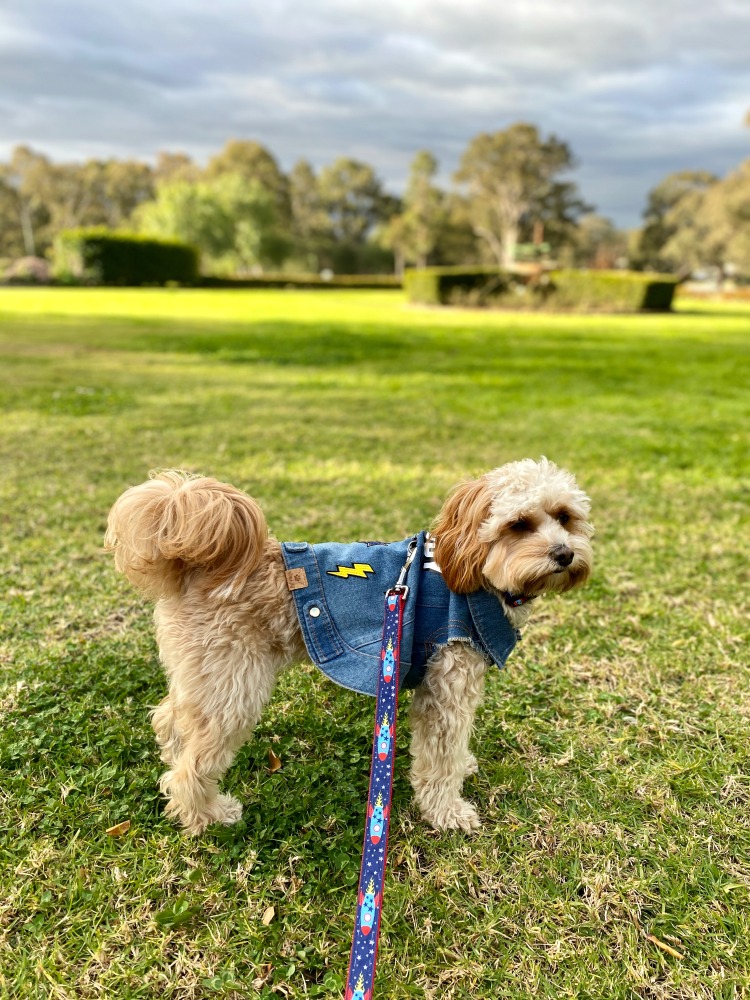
(637, 358)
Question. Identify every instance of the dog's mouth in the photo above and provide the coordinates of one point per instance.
(552, 576)
(555, 579)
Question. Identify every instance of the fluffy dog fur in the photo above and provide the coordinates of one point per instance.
(226, 623)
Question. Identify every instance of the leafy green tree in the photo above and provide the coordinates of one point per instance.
(458, 243)
(356, 206)
(668, 210)
(253, 162)
(556, 216)
(11, 235)
(311, 226)
(414, 234)
(511, 179)
(175, 167)
(736, 212)
(598, 243)
(259, 240)
(233, 222)
(710, 226)
(191, 212)
(26, 177)
(394, 235)
(50, 197)
(123, 186)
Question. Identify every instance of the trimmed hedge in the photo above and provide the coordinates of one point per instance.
(613, 291)
(305, 281)
(606, 291)
(104, 257)
(455, 285)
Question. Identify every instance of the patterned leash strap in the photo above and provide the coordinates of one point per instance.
(366, 936)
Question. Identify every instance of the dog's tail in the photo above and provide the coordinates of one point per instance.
(176, 525)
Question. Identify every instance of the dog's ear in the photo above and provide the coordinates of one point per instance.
(458, 550)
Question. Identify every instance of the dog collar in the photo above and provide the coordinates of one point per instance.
(516, 600)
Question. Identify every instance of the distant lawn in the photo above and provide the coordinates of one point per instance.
(614, 750)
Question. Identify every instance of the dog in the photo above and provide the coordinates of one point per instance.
(234, 606)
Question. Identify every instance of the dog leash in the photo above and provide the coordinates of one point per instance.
(366, 935)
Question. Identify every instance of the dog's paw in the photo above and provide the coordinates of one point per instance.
(470, 765)
(224, 809)
(456, 815)
(228, 810)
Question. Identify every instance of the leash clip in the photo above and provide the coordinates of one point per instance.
(400, 587)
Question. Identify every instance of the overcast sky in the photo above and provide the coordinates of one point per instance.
(638, 89)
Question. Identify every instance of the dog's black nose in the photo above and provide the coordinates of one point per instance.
(562, 555)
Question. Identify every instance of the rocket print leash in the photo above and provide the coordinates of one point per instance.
(377, 824)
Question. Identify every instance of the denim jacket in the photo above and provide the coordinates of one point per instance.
(339, 594)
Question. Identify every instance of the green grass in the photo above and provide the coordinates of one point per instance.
(614, 763)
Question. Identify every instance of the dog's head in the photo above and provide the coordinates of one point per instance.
(522, 529)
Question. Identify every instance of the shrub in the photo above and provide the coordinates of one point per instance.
(28, 271)
(103, 257)
(606, 291)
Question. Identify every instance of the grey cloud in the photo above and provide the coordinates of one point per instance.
(637, 90)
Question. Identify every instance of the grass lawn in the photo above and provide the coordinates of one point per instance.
(614, 758)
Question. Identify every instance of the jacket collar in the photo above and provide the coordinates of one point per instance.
(497, 634)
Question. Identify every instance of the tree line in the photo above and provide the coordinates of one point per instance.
(512, 198)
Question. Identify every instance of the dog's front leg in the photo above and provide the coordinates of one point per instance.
(442, 715)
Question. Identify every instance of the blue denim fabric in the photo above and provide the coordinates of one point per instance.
(340, 611)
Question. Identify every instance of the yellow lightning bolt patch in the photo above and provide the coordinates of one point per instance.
(358, 569)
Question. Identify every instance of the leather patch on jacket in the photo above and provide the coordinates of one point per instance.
(296, 579)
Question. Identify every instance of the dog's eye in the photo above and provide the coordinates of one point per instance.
(563, 517)
(521, 526)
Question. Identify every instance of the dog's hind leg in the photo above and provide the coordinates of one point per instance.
(165, 727)
(211, 711)
(192, 783)
(442, 715)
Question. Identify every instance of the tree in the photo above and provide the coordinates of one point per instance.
(11, 236)
(599, 243)
(233, 222)
(26, 177)
(50, 197)
(556, 216)
(259, 240)
(395, 236)
(710, 226)
(736, 211)
(124, 185)
(311, 227)
(355, 205)
(414, 234)
(175, 167)
(458, 243)
(664, 216)
(253, 162)
(511, 177)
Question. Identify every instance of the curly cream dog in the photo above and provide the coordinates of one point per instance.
(227, 622)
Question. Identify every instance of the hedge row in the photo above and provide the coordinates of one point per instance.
(606, 291)
(615, 291)
(103, 257)
(305, 281)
